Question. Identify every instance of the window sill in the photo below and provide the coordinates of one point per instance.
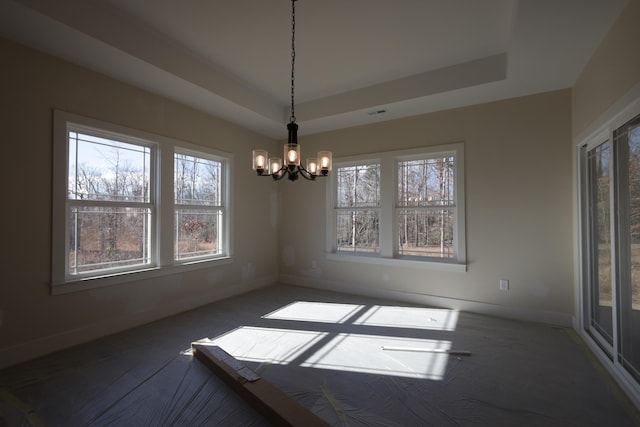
(426, 264)
(86, 283)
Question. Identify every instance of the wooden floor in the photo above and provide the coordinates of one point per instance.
(351, 360)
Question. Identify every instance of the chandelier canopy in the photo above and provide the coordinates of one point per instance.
(292, 167)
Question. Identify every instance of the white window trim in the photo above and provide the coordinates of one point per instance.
(359, 162)
(162, 262)
(224, 237)
(388, 186)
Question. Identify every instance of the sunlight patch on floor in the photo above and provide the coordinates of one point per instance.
(308, 311)
(410, 317)
(380, 354)
(365, 353)
(277, 346)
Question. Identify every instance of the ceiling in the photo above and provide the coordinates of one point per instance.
(357, 61)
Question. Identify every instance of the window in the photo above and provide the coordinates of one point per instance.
(108, 221)
(401, 206)
(425, 206)
(357, 208)
(109, 202)
(199, 208)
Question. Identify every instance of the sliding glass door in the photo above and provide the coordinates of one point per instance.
(627, 145)
(610, 189)
(599, 296)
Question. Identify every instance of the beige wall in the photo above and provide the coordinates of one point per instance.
(518, 202)
(32, 85)
(518, 207)
(612, 71)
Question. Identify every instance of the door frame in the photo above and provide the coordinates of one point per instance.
(602, 129)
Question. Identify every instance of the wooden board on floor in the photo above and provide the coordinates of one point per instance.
(267, 399)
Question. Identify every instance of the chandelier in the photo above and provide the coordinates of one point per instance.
(292, 167)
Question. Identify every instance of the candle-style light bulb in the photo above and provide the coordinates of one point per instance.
(292, 156)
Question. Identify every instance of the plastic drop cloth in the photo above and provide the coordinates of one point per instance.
(330, 352)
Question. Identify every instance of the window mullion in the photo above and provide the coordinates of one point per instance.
(388, 231)
(460, 247)
(165, 205)
(114, 204)
(199, 207)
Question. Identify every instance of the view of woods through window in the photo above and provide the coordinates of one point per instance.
(627, 142)
(358, 208)
(424, 209)
(111, 208)
(198, 201)
(426, 202)
(109, 202)
(599, 188)
(633, 176)
(612, 213)
(599, 161)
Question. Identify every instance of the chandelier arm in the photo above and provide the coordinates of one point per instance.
(306, 174)
(287, 171)
(279, 174)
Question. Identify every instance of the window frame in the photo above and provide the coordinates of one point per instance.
(161, 204)
(374, 208)
(148, 204)
(223, 221)
(398, 207)
(388, 253)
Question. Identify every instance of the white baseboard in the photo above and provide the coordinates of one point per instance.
(49, 344)
(41, 346)
(516, 313)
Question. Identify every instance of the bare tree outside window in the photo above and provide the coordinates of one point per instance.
(634, 209)
(610, 214)
(357, 208)
(128, 204)
(108, 193)
(426, 204)
(404, 205)
(199, 210)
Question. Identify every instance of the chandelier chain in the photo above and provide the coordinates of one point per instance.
(292, 119)
(292, 167)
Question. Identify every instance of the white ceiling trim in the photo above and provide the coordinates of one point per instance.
(136, 41)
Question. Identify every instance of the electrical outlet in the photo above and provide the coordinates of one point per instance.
(504, 285)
